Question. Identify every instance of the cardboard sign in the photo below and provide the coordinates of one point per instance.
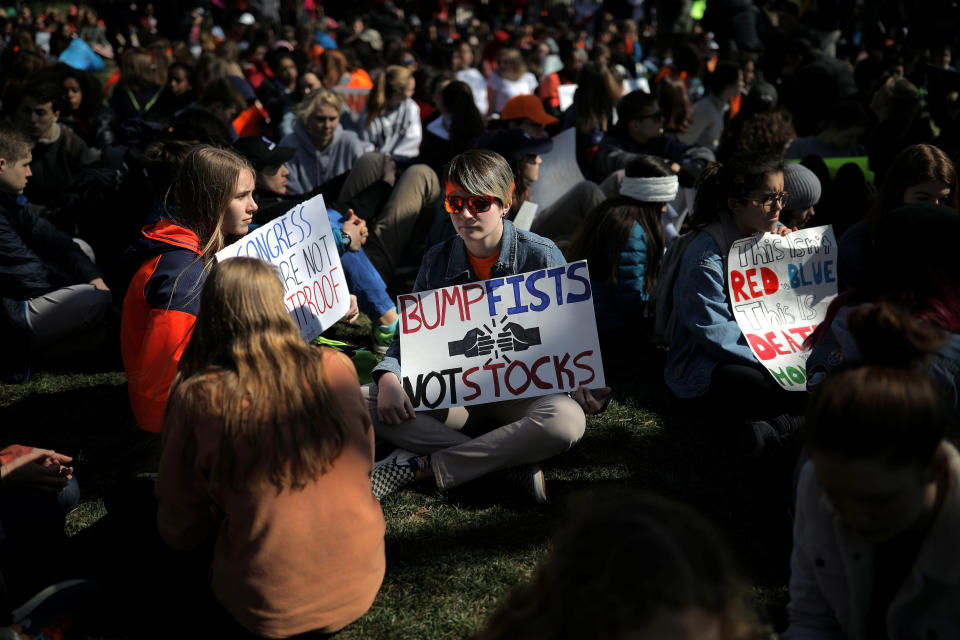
(355, 100)
(521, 336)
(302, 246)
(559, 171)
(780, 288)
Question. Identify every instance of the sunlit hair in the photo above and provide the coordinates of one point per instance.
(917, 164)
(204, 187)
(315, 100)
(247, 365)
(516, 67)
(604, 233)
(597, 96)
(394, 80)
(621, 561)
(15, 144)
(887, 407)
(483, 173)
(138, 69)
(333, 65)
(743, 173)
(769, 132)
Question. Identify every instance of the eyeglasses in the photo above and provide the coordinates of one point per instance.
(782, 198)
(656, 115)
(477, 204)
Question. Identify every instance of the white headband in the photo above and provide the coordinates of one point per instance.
(663, 189)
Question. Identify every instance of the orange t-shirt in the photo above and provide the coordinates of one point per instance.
(482, 266)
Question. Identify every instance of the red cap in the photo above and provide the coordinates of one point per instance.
(527, 106)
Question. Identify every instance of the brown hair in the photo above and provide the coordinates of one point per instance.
(675, 104)
(247, 364)
(597, 96)
(333, 65)
(887, 406)
(392, 81)
(515, 62)
(206, 182)
(735, 178)
(483, 173)
(15, 144)
(915, 165)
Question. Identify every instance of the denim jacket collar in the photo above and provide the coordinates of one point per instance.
(458, 265)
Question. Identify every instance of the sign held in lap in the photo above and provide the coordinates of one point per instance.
(300, 243)
(780, 288)
(519, 336)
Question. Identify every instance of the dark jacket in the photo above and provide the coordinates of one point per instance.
(35, 258)
(617, 150)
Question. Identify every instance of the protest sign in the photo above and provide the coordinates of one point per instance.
(524, 217)
(780, 288)
(520, 336)
(354, 99)
(566, 92)
(559, 171)
(302, 246)
(635, 84)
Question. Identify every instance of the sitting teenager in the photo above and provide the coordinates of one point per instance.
(213, 193)
(54, 298)
(391, 120)
(622, 239)
(350, 233)
(60, 156)
(268, 450)
(513, 434)
(708, 356)
(804, 188)
(924, 283)
(639, 131)
(878, 504)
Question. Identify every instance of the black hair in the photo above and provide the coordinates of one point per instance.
(604, 232)
(741, 174)
(724, 75)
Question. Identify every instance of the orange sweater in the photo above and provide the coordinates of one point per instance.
(288, 561)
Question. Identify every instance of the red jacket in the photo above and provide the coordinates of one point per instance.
(159, 311)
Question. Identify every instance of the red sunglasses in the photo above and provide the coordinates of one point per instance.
(477, 204)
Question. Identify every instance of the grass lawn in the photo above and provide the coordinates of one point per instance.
(451, 557)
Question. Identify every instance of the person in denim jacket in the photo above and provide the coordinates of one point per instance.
(512, 434)
(708, 355)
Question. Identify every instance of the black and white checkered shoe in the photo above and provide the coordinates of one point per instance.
(529, 478)
(396, 471)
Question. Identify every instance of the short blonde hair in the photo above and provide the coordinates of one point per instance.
(322, 97)
(483, 173)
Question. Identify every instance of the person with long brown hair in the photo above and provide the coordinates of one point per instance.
(268, 446)
(623, 241)
(213, 193)
(391, 121)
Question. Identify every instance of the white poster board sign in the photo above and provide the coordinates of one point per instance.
(780, 288)
(300, 243)
(525, 215)
(633, 84)
(566, 93)
(559, 171)
(355, 100)
(521, 336)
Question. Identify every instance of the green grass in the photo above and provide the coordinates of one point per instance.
(451, 557)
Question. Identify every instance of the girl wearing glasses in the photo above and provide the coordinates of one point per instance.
(708, 355)
(514, 434)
